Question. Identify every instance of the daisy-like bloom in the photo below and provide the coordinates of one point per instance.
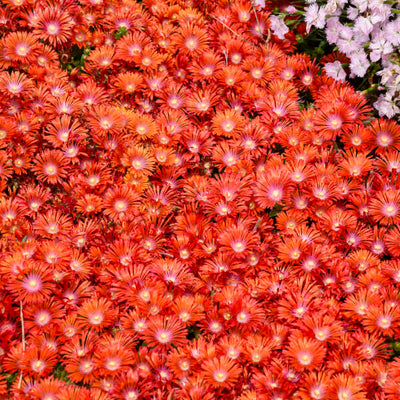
(225, 156)
(272, 187)
(123, 252)
(346, 387)
(172, 272)
(202, 101)
(74, 294)
(39, 362)
(383, 319)
(171, 123)
(79, 264)
(231, 187)
(53, 25)
(356, 165)
(96, 175)
(259, 71)
(188, 309)
(324, 327)
(392, 240)
(64, 130)
(304, 353)
(90, 93)
(164, 332)
(19, 46)
(257, 349)
(105, 119)
(231, 77)
(31, 198)
(173, 97)
(331, 122)
(386, 135)
(165, 156)
(139, 160)
(50, 166)
(357, 137)
(280, 106)
(47, 388)
(113, 355)
(131, 45)
(41, 317)
(79, 360)
(130, 386)
(220, 372)
(316, 385)
(15, 83)
(142, 126)
(133, 322)
(385, 207)
(96, 314)
(299, 301)
(52, 224)
(227, 123)
(34, 286)
(371, 346)
(388, 163)
(198, 143)
(128, 82)
(206, 66)
(149, 59)
(9, 212)
(101, 58)
(192, 39)
(392, 269)
(322, 189)
(65, 104)
(89, 204)
(238, 239)
(119, 201)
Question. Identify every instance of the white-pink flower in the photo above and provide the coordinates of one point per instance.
(335, 70)
(278, 26)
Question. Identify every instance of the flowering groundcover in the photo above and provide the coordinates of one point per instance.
(365, 35)
(189, 210)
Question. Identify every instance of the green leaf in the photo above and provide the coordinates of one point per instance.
(120, 32)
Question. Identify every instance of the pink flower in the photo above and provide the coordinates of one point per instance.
(335, 70)
(315, 16)
(259, 3)
(333, 28)
(278, 26)
(359, 63)
(386, 107)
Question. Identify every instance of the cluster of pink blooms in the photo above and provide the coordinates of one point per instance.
(367, 32)
(177, 222)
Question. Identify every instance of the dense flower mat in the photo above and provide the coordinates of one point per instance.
(188, 211)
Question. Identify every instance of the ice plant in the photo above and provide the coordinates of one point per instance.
(190, 211)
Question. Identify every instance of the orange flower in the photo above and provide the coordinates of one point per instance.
(220, 372)
(51, 166)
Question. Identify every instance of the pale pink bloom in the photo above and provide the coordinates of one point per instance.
(386, 107)
(335, 71)
(278, 26)
(259, 3)
(315, 16)
(359, 63)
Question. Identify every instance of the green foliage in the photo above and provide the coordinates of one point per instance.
(76, 58)
(314, 44)
(193, 332)
(60, 373)
(10, 378)
(120, 33)
(276, 210)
